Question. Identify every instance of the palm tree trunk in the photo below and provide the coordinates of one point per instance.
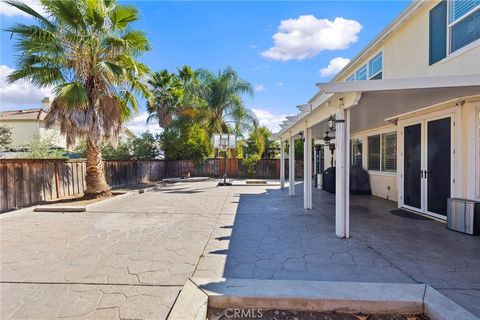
(97, 186)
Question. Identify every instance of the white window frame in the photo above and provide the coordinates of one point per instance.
(380, 133)
(369, 76)
(452, 24)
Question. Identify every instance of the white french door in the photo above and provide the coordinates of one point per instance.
(426, 158)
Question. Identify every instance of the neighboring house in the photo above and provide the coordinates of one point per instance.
(27, 123)
(409, 111)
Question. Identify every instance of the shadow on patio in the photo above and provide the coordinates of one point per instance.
(273, 237)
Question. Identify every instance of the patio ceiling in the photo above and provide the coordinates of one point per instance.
(372, 103)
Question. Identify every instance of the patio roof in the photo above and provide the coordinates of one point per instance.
(368, 100)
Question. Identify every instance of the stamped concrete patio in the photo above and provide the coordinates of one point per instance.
(128, 258)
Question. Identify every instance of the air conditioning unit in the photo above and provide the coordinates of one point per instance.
(463, 215)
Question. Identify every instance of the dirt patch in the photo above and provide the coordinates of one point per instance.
(259, 314)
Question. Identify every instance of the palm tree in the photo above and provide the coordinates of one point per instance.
(87, 51)
(223, 96)
(167, 92)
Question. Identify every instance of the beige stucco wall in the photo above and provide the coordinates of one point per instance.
(384, 185)
(406, 52)
(23, 132)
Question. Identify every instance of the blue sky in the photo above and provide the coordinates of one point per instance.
(214, 35)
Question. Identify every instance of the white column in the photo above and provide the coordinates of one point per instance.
(342, 173)
(307, 169)
(291, 167)
(347, 173)
(315, 159)
(282, 164)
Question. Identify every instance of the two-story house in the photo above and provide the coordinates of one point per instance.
(406, 109)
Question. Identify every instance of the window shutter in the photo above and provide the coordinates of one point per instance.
(438, 32)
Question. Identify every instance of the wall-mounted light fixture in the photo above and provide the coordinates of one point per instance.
(300, 136)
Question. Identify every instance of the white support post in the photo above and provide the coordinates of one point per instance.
(347, 173)
(291, 167)
(310, 169)
(342, 172)
(307, 169)
(315, 159)
(282, 164)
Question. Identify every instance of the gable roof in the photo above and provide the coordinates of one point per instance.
(25, 114)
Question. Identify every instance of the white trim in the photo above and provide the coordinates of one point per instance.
(459, 52)
(400, 84)
(451, 25)
(455, 171)
(380, 171)
(367, 65)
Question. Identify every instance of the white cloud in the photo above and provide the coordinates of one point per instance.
(138, 124)
(10, 11)
(307, 36)
(21, 93)
(268, 119)
(279, 84)
(335, 65)
(260, 87)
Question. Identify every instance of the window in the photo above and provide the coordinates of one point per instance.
(374, 152)
(361, 73)
(382, 152)
(453, 25)
(356, 152)
(372, 70)
(466, 28)
(389, 152)
(375, 67)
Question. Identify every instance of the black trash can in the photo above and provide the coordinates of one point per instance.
(329, 180)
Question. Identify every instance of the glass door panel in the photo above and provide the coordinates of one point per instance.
(412, 178)
(438, 169)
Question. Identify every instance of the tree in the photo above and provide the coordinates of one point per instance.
(43, 148)
(167, 93)
(145, 147)
(88, 51)
(225, 111)
(5, 137)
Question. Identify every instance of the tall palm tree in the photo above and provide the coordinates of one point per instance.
(223, 96)
(87, 51)
(166, 94)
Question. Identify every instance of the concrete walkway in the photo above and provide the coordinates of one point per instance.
(130, 257)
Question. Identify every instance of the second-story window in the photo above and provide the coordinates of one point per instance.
(375, 67)
(361, 73)
(463, 23)
(453, 25)
(373, 70)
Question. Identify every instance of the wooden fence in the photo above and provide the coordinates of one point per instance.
(26, 182)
